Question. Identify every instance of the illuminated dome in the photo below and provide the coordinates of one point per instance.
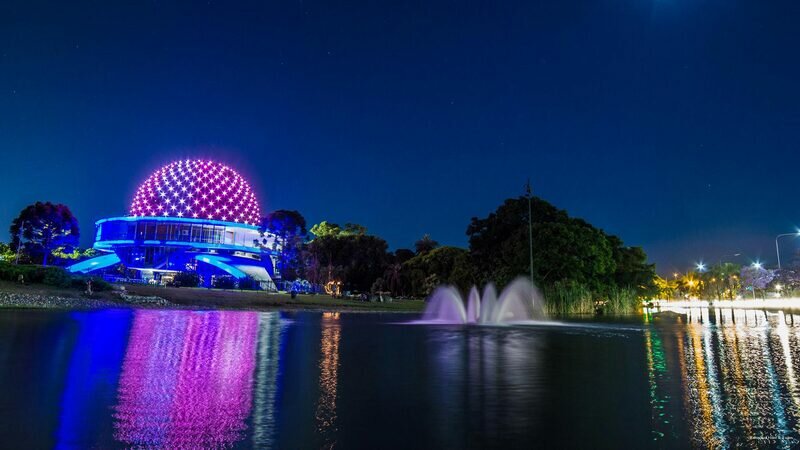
(196, 189)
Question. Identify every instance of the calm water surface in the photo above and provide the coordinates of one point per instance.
(146, 378)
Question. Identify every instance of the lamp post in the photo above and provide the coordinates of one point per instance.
(778, 249)
(758, 266)
(530, 226)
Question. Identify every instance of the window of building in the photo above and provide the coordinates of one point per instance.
(150, 231)
(162, 231)
(185, 233)
(197, 233)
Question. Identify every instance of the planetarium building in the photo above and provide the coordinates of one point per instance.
(192, 215)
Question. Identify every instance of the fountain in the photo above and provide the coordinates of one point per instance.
(519, 301)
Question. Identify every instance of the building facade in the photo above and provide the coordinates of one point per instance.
(189, 216)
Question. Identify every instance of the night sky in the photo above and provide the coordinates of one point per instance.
(672, 123)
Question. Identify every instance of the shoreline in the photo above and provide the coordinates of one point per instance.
(39, 297)
(774, 304)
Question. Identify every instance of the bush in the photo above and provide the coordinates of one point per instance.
(51, 276)
(98, 284)
(31, 273)
(8, 271)
(567, 298)
(224, 282)
(186, 279)
(78, 283)
(56, 276)
(249, 283)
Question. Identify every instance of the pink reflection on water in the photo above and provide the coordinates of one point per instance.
(187, 379)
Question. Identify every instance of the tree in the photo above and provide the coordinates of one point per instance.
(392, 277)
(70, 255)
(44, 227)
(632, 270)
(720, 281)
(347, 254)
(564, 249)
(756, 278)
(321, 250)
(6, 253)
(665, 288)
(692, 285)
(289, 228)
(567, 251)
(498, 243)
(325, 229)
(425, 244)
(354, 229)
(450, 265)
(789, 280)
(402, 255)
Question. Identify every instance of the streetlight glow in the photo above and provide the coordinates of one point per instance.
(701, 267)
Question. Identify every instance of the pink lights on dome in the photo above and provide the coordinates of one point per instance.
(196, 189)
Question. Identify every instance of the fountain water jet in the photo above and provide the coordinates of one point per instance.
(473, 305)
(519, 301)
(448, 307)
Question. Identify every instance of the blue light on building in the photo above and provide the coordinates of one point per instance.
(191, 215)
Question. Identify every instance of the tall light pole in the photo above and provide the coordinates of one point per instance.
(530, 226)
(778, 249)
(758, 266)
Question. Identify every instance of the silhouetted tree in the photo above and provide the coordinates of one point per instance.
(443, 265)
(289, 228)
(425, 244)
(402, 255)
(565, 250)
(42, 227)
(348, 254)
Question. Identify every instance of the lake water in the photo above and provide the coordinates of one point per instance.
(148, 378)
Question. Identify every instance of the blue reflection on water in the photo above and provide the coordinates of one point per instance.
(93, 374)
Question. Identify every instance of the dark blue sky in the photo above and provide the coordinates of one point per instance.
(672, 123)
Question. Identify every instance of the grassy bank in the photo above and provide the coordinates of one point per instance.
(235, 299)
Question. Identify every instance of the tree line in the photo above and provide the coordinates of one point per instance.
(570, 256)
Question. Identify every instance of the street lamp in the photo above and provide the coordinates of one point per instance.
(757, 265)
(530, 226)
(778, 249)
(701, 267)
